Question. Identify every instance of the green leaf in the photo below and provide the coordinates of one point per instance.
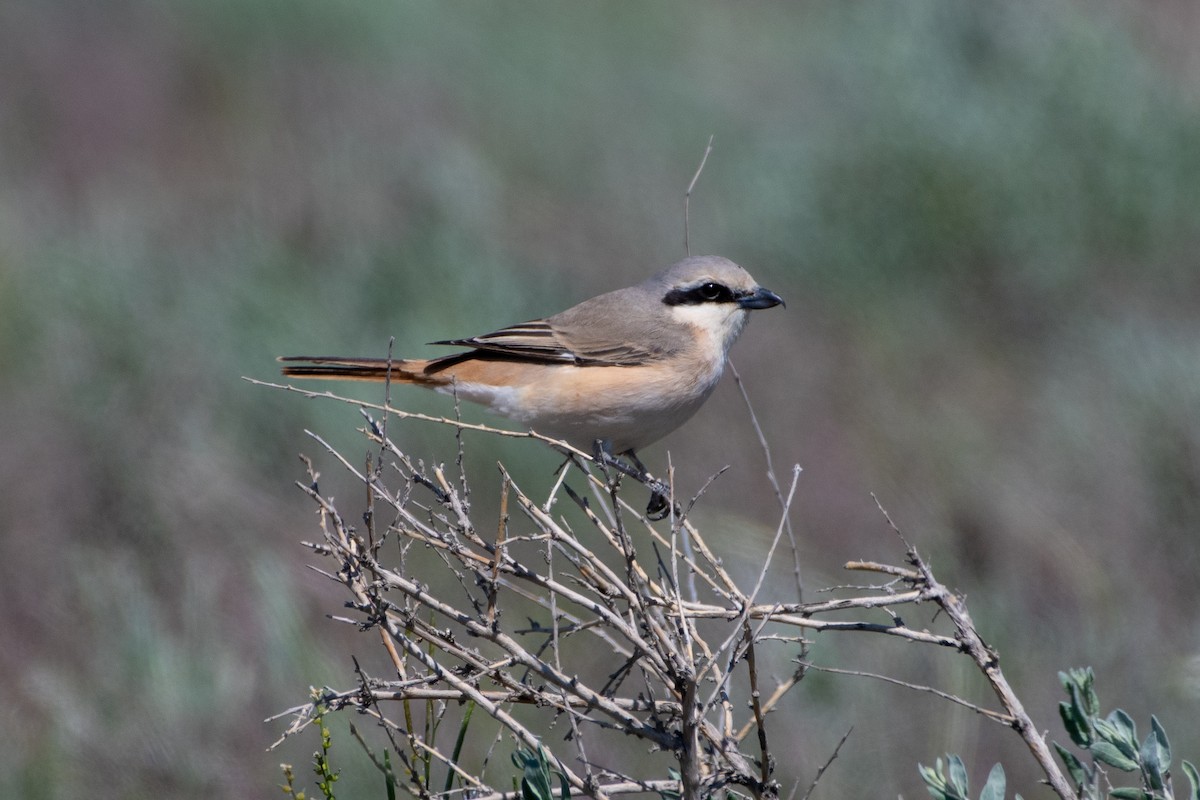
(1092, 702)
(1156, 752)
(389, 776)
(1078, 705)
(1077, 726)
(948, 783)
(1131, 793)
(934, 781)
(1125, 723)
(994, 788)
(958, 776)
(1194, 778)
(1119, 719)
(1119, 730)
(670, 794)
(1073, 676)
(1111, 755)
(535, 780)
(1074, 766)
(936, 793)
(1079, 682)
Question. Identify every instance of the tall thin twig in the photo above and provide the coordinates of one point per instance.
(687, 197)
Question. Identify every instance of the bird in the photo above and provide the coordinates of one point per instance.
(611, 375)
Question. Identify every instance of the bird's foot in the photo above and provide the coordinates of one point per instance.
(659, 506)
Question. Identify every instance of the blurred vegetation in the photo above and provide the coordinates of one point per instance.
(985, 220)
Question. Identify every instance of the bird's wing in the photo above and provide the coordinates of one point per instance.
(543, 340)
(619, 329)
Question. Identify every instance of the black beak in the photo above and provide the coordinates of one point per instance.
(760, 298)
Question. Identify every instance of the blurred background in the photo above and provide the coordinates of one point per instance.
(985, 219)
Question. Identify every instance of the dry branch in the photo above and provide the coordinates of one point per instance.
(605, 637)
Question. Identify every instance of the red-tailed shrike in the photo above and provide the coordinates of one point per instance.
(610, 375)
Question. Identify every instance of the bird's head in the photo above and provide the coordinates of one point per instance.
(714, 295)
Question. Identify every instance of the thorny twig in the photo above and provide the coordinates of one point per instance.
(563, 622)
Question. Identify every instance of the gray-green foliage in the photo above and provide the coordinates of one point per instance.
(951, 782)
(1113, 741)
(1107, 741)
(537, 776)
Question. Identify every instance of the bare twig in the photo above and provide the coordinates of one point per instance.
(774, 481)
(817, 779)
(601, 634)
(687, 197)
(995, 716)
(988, 662)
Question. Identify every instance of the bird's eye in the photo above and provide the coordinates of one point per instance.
(707, 292)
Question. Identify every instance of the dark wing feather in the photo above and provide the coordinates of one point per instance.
(532, 340)
(539, 340)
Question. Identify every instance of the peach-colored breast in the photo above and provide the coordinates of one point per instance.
(630, 407)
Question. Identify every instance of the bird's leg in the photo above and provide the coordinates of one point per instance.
(658, 506)
(602, 454)
(660, 493)
(641, 468)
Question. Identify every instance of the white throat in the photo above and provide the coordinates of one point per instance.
(720, 323)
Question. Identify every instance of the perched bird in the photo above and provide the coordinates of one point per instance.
(610, 375)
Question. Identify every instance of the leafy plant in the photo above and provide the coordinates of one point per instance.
(326, 775)
(954, 785)
(536, 775)
(1113, 741)
(1108, 741)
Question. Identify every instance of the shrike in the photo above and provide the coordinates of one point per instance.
(610, 375)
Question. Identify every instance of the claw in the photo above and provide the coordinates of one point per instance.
(658, 507)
